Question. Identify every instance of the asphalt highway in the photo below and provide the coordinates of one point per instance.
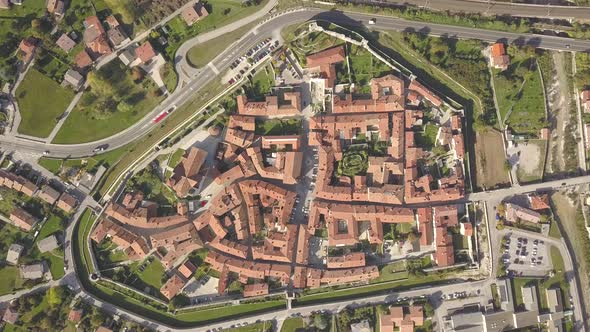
(222, 62)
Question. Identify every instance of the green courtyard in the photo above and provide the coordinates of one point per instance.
(354, 162)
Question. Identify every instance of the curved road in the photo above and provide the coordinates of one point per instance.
(222, 62)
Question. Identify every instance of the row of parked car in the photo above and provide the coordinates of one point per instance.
(253, 56)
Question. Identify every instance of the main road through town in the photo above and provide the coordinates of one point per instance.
(493, 8)
(277, 22)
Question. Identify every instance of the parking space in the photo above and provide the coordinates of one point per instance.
(525, 255)
(244, 64)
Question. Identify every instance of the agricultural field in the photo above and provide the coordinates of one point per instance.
(41, 102)
(520, 96)
(491, 170)
(114, 102)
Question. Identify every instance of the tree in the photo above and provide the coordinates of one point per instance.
(99, 85)
(137, 74)
(55, 296)
(320, 322)
(124, 107)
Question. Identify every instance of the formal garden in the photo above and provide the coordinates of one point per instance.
(354, 162)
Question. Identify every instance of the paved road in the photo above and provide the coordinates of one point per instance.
(207, 74)
(495, 8)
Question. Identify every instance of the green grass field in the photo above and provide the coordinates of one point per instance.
(202, 54)
(41, 101)
(152, 274)
(97, 115)
(292, 324)
(52, 225)
(11, 280)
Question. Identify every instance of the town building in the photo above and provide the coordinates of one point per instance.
(498, 57)
(15, 251)
(95, 38)
(33, 271)
(27, 48)
(185, 177)
(10, 315)
(65, 43)
(173, 286)
(516, 213)
(73, 79)
(401, 319)
(48, 244)
(22, 219)
(194, 13)
(56, 7)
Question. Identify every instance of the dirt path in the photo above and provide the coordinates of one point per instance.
(559, 107)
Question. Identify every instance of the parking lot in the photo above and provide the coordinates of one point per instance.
(525, 255)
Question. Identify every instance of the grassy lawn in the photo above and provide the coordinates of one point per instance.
(460, 242)
(83, 260)
(260, 84)
(554, 230)
(292, 324)
(55, 260)
(278, 127)
(427, 138)
(392, 272)
(90, 164)
(221, 12)
(152, 274)
(50, 164)
(203, 53)
(363, 67)
(519, 93)
(112, 105)
(378, 288)
(52, 225)
(41, 101)
(169, 76)
(11, 280)
(175, 158)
